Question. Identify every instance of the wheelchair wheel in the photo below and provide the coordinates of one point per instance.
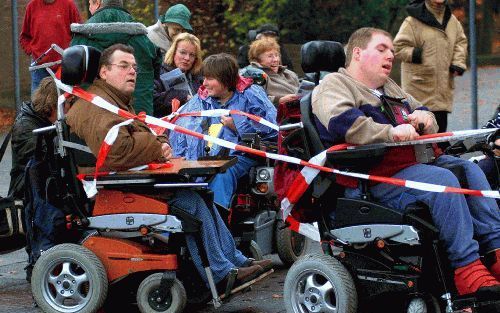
(420, 305)
(149, 301)
(290, 245)
(319, 283)
(69, 278)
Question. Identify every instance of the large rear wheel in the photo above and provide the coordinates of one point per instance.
(69, 278)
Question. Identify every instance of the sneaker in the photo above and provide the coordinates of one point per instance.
(469, 278)
(492, 262)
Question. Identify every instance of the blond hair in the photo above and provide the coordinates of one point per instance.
(192, 39)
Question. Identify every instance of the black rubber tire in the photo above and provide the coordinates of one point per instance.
(74, 260)
(305, 286)
(290, 245)
(251, 250)
(176, 300)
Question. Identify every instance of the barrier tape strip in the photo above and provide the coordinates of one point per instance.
(302, 181)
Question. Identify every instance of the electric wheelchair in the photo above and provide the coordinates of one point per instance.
(126, 241)
(375, 259)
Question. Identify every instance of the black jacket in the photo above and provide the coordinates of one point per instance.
(162, 98)
(23, 145)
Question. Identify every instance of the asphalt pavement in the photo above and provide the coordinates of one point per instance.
(265, 296)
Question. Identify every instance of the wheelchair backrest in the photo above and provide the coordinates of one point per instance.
(312, 137)
(322, 55)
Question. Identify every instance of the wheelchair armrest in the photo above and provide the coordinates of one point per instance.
(361, 157)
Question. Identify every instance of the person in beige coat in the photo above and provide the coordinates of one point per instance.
(433, 49)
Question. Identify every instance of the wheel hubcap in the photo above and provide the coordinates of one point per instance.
(158, 302)
(67, 286)
(314, 293)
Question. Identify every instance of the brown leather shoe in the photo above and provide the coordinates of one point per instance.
(266, 264)
(244, 273)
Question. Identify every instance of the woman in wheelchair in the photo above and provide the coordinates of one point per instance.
(136, 145)
(223, 88)
(347, 108)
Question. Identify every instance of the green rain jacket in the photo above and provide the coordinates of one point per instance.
(112, 25)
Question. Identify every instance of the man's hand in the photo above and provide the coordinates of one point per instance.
(404, 132)
(228, 122)
(166, 151)
(421, 117)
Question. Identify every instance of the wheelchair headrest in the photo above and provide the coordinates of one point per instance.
(322, 55)
(79, 65)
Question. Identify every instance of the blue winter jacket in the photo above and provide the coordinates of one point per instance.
(252, 100)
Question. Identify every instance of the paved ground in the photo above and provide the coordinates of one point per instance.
(266, 296)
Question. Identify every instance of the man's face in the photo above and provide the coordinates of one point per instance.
(376, 60)
(173, 29)
(121, 73)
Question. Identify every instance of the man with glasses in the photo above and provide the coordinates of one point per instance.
(110, 24)
(136, 145)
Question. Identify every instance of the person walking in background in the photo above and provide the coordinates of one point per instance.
(264, 31)
(110, 24)
(433, 49)
(46, 22)
(174, 22)
(185, 55)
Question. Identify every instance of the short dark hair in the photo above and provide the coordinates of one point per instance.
(222, 67)
(44, 100)
(108, 52)
(360, 38)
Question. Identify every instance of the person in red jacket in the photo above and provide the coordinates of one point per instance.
(47, 22)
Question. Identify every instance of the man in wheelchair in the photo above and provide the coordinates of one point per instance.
(136, 145)
(362, 105)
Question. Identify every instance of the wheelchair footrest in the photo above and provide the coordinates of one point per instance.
(485, 300)
(247, 284)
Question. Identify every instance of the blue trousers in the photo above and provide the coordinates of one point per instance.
(224, 184)
(217, 240)
(466, 224)
(36, 78)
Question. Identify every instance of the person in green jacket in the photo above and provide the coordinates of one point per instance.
(110, 24)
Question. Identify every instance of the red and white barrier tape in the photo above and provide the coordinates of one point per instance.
(308, 173)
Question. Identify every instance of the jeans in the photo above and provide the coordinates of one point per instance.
(36, 78)
(457, 217)
(224, 184)
(217, 240)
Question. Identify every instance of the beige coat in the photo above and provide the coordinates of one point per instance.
(135, 144)
(431, 82)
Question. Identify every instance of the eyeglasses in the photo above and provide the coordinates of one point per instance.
(126, 66)
(184, 53)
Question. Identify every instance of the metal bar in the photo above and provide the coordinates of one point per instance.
(15, 54)
(473, 61)
(156, 9)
